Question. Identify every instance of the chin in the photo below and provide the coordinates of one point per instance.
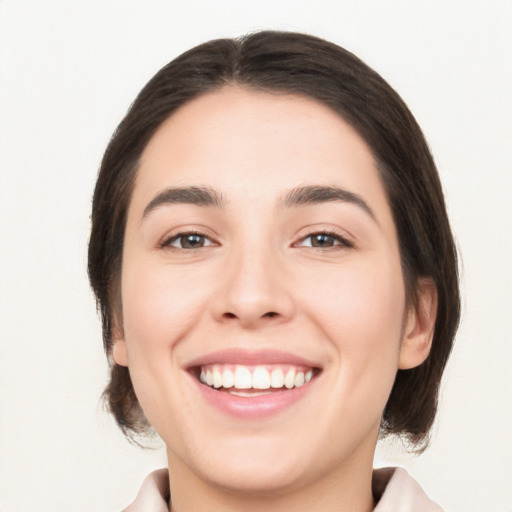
(262, 475)
(259, 465)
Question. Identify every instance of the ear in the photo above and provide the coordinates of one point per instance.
(119, 350)
(419, 326)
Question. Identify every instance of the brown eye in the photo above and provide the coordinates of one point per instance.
(188, 241)
(324, 241)
(192, 241)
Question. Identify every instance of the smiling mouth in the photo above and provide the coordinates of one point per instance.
(251, 381)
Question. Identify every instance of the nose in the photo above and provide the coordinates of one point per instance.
(254, 290)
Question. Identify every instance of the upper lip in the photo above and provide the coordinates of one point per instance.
(251, 358)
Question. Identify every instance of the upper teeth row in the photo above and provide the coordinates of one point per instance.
(260, 378)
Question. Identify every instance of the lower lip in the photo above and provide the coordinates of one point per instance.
(256, 406)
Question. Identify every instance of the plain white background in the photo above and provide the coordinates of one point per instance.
(69, 70)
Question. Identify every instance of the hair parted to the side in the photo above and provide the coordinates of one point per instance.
(282, 62)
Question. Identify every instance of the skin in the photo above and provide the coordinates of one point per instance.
(259, 284)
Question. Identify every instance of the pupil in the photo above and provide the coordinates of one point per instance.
(192, 241)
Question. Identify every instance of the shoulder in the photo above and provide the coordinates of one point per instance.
(396, 491)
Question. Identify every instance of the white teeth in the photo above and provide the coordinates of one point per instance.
(228, 379)
(289, 380)
(243, 378)
(260, 378)
(217, 378)
(220, 376)
(299, 379)
(277, 378)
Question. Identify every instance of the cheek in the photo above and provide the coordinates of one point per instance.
(359, 299)
(160, 305)
(361, 311)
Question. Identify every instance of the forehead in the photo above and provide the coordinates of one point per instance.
(255, 145)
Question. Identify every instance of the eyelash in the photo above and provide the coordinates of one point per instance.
(339, 241)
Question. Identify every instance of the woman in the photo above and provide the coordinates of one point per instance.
(277, 278)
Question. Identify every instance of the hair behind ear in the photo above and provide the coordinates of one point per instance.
(120, 400)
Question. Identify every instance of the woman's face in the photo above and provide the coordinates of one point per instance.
(261, 257)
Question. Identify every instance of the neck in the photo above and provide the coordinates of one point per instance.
(345, 489)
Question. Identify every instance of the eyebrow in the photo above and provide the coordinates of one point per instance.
(314, 194)
(298, 196)
(200, 196)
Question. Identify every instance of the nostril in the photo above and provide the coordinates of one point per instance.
(228, 315)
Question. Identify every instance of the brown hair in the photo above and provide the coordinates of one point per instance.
(309, 66)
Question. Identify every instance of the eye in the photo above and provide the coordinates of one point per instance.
(187, 241)
(324, 241)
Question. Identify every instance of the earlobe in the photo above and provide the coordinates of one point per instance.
(119, 349)
(119, 352)
(419, 326)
